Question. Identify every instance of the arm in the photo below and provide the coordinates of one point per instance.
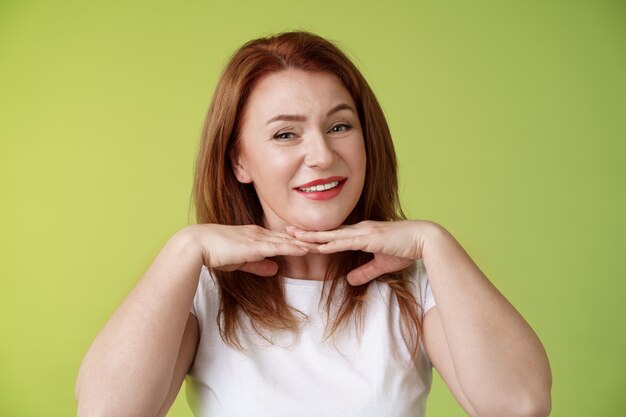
(186, 356)
(129, 367)
(489, 357)
(136, 364)
(483, 348)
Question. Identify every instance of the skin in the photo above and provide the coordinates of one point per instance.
(307, 125)
(489, 357)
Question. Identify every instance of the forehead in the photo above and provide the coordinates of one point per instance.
(295, 91)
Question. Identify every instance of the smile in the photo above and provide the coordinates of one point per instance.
(320, 187)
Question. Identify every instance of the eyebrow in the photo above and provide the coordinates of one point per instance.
(301, 118)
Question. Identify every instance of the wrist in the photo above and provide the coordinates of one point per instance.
(187, 241)
(429, 235)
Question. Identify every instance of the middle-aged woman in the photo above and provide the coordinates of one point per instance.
(303, 290)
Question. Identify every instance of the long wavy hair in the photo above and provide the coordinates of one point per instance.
(220, 198)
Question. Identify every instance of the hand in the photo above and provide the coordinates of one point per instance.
(245, 248)
(395, 245)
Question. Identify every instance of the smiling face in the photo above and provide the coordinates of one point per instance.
(301, 146)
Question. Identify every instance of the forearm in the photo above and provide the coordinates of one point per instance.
(128, 368)
(498, 360)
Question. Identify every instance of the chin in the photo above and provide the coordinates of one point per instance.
(320, 225)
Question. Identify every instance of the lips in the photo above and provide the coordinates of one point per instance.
(322, 189)
(326, 183)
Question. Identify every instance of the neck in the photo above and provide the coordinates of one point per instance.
(312, 266)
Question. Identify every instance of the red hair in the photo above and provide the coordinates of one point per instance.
(220, 198)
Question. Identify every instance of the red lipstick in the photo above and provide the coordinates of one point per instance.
(324, 194)
(321, 181)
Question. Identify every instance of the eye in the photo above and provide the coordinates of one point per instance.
(340, 127)
(284, 135)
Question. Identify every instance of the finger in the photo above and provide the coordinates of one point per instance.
(311, 247)
(277, 237)
(284, 238)
(255, 253)
(280, 245)
(300, 244)
(326, 236)
(281, 235)
(270, 249)
(264, 268)
(380, 265)
(342, 245)
(293, 229)
(229, 268)
(364, 273)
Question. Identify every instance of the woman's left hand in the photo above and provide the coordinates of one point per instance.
(481, 346)
(395, 245)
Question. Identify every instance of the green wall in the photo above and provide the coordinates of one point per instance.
(509, 120)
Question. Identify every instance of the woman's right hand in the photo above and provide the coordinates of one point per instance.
(129, 368)
(245, 248)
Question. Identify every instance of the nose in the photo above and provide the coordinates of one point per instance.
(318, 153)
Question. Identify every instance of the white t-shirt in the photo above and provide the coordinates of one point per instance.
(307, 376)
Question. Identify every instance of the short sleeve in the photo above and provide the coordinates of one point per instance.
(427, 299)
(199, 300)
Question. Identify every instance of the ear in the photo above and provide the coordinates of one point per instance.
(239, 169)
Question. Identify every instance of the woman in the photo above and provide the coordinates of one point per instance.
(307, 287)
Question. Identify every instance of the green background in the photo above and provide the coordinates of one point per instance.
(508, 117)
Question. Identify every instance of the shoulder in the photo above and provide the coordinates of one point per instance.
(205, 302)
(207, 285)
(418, 277)
(207, 280)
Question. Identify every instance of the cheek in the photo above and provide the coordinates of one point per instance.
(274, 169)
(363, 159)
(358, 159)
(281, 160)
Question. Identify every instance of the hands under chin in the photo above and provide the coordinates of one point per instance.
(395, 245)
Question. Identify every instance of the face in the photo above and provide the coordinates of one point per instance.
(301, 146)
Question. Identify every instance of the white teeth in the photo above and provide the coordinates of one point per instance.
(320, 187)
